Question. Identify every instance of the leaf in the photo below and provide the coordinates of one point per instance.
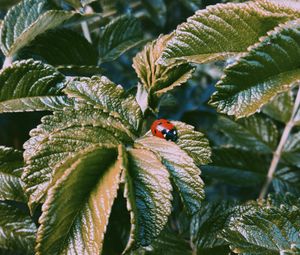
(291, 150)
(281, 107)
(270, 67)
(287, 179)
(11, 167)
(25, 21)
(157, 10)
(237, 167)
(63, 134)
(87, 189)
(61, 47)
(264, 231)
(148, 192)
(184, 172)
(100, 91)
(254, 133)
(17, 230)
(118, 36)
(158, 79)
(27, 85)
(224, 30)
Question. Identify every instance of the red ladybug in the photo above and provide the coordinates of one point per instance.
(164, 129)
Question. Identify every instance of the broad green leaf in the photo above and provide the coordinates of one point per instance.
(158, 79)
(266, 231)
(184, 172)
(11, 167)
(63, 134)
(78, 71)
(61, 47)
(86, 188)
(118, 36)
(17, 231)
(287, 179)
(27, 85)
(281, 107)
(157, 10)
(224, 30)
(100, 91)
(270, 67)
(148, 192)
(255, 133)
(291, 150)
(25, 21)
(237, 167)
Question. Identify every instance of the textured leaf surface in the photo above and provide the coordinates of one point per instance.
(281, 107)
(270, 67)
(224, 30)
(17, 230)
(148, 192)
(103, 92)
(63, 134)
(158, 79)
(27, 20)
(237, 167)
(86, 189)
(184, 172)
(118, 36)
(11, 167)
(267, 231)
(254, 133)
(27, 84)
(61, 47)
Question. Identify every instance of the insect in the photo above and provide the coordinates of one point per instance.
(164, 129)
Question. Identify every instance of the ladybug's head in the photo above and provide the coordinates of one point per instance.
(172, 135)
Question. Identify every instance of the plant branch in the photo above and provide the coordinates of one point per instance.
(277, 154)
(7, 62)
(85, 27)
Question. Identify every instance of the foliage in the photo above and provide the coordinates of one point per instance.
(93, 179)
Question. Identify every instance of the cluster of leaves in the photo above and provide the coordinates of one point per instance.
(94, 149)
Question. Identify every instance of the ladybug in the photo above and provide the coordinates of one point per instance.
(164, 129)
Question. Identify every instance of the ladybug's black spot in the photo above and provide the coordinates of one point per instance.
(164, 131)
(159, 123)
(155, 131)
(168, 122)
(172, 135)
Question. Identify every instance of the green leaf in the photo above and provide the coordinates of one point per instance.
(266, 231)
(158, 79)
(17, 230)
(224, 30)
(11, 167)
(281, 107)
(85, 71)
(61, 47)
(254, 133)
(63, 134)
(270, 67)
(25, 21)
(184, 172)
(291, 150)
(27, 84)
(287, 179)
(157, 10)
(118, 36)
(237, 167)
(86, 189)
(148, 192)
(100, 91)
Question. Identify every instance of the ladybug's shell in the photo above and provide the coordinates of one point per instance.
(160, 127)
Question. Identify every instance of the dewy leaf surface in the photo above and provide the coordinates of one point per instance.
(254, 133)
(223, 30)
(11, 166)
(266, 231)
(148, 192)
(184, 172)
(61, 47)
(76, 212)
(27, 20)
(17, 230)
(27, 85)
(270, 67)
(158, 79)
(63, 134)
(100, 91)
(121, 34)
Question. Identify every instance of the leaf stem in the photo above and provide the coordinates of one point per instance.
(7, 62)
(277, 154)
(85, 27)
